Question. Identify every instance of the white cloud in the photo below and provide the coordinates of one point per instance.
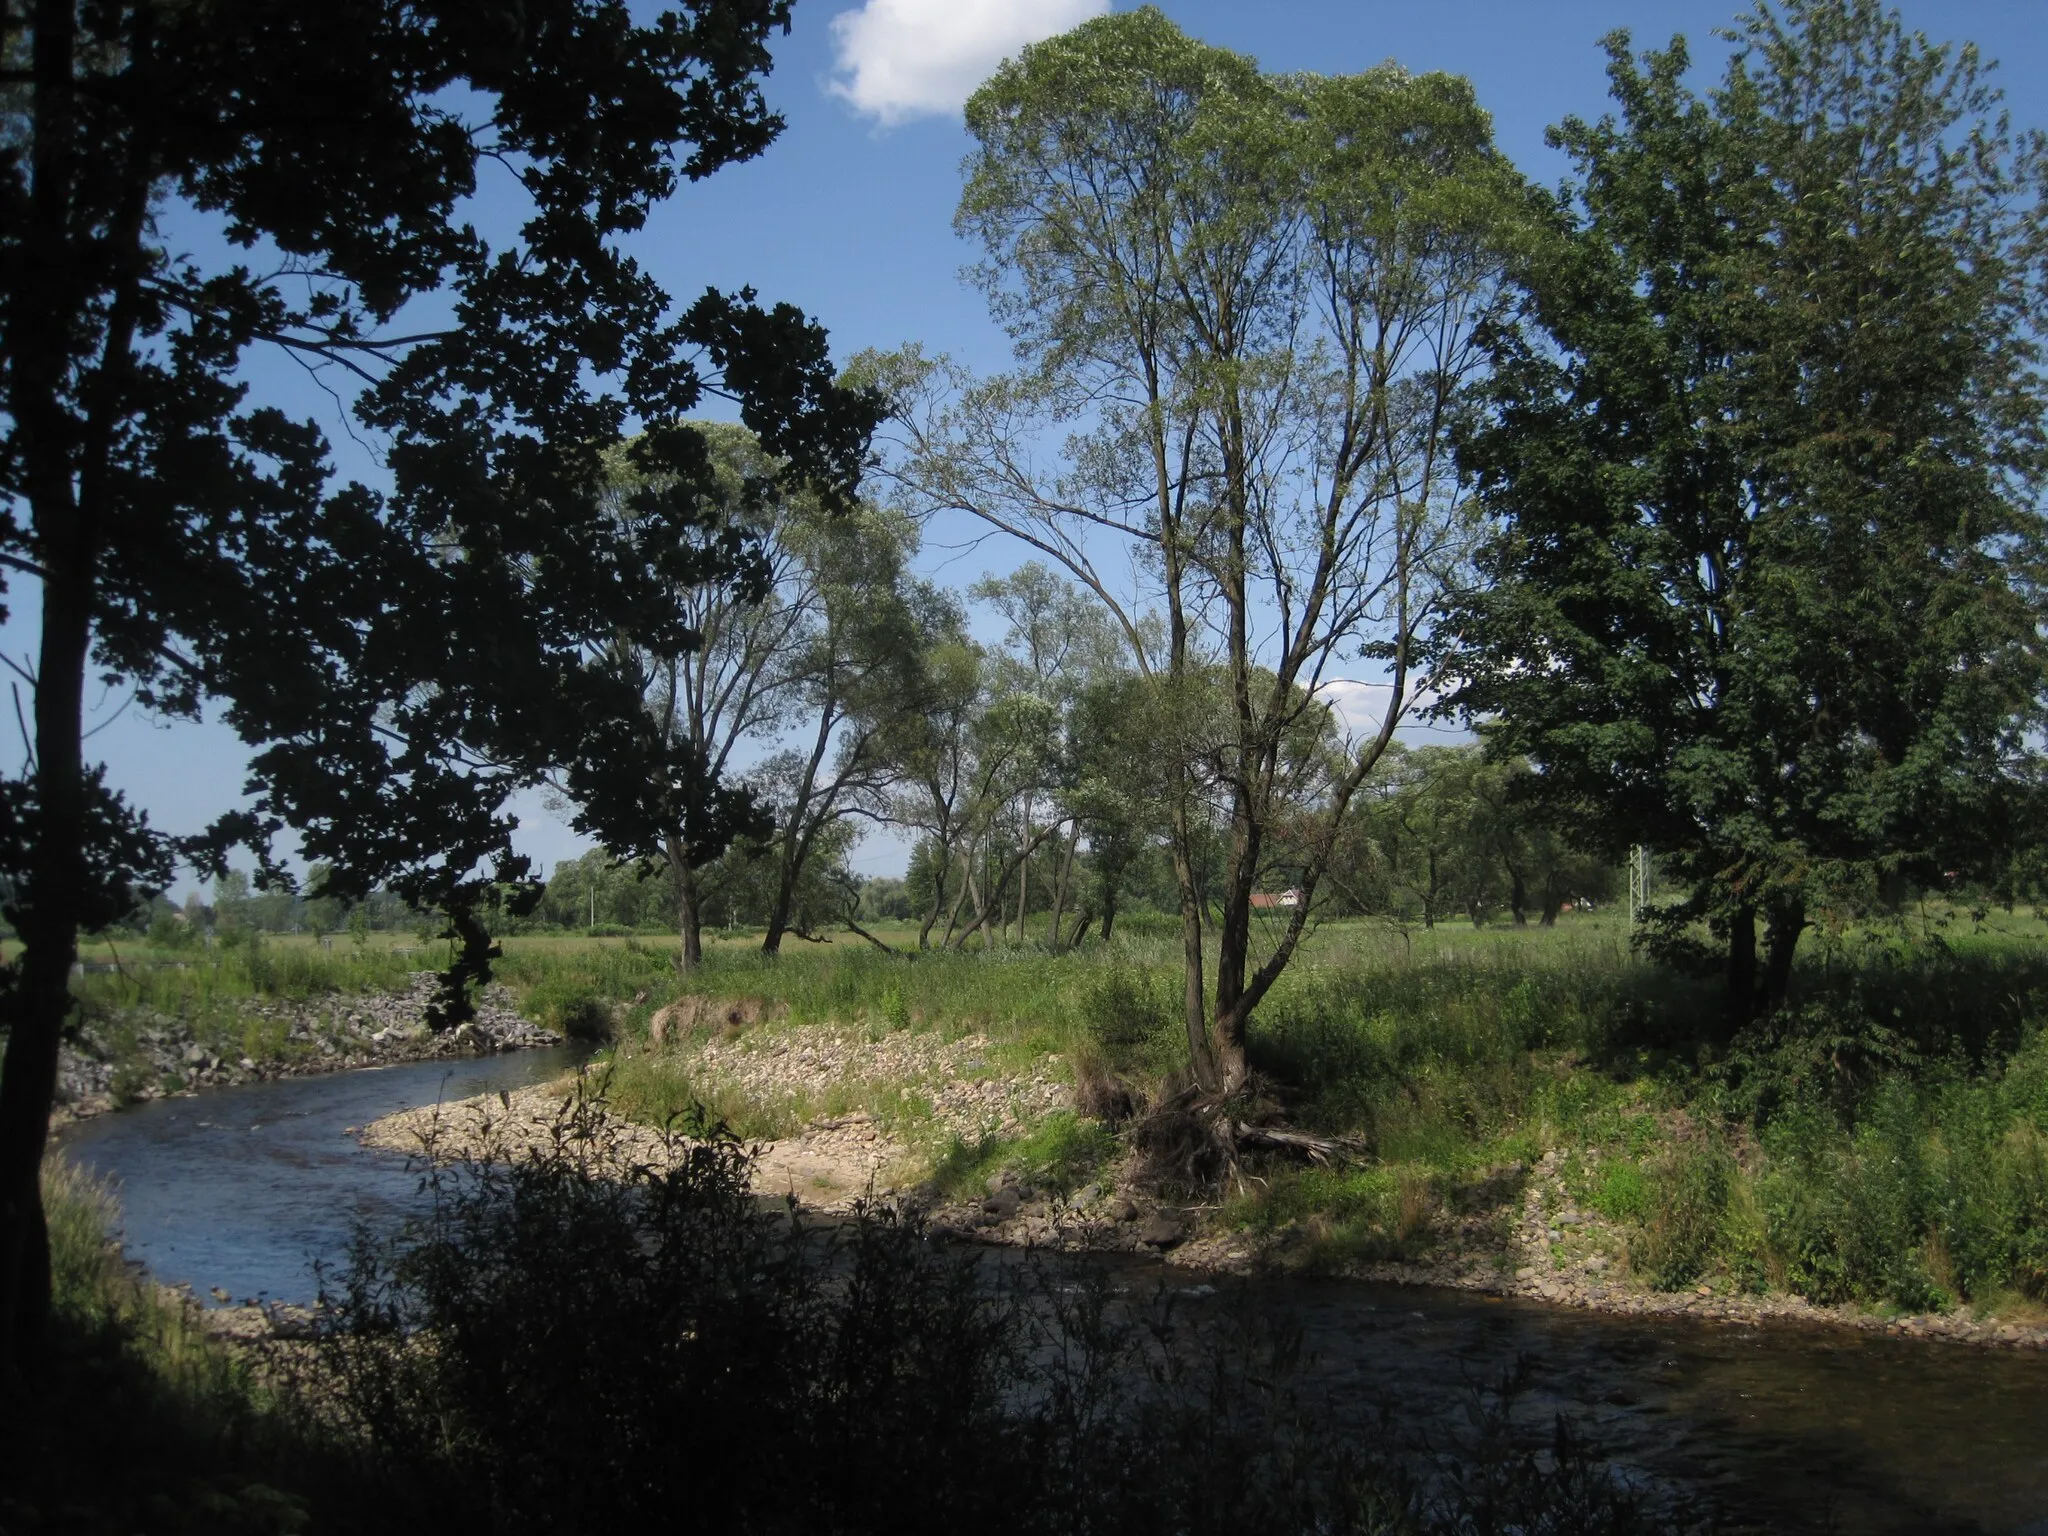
(1360, 707)
(900, 59)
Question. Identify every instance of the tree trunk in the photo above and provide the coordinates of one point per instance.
(1518, 898)
(1059, 889)
(1083, 920)
(1741, 968)
(995, 920)
(960, 898)
(784, 903)
(1233, 956)
(65, 519)
(1024, 877)
(689, 919)
(970, 889)
(1781, 940)
(42, 1003)
(924, 933)
(1194, 1013)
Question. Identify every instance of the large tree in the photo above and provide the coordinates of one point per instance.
(398, 658)
(854, 670)
(732, 674)
(1762, 450)
(1249, 299)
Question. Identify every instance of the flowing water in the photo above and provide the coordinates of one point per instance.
(243, 1188)
(1783, 1425)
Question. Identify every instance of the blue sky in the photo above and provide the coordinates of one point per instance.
(849, 215)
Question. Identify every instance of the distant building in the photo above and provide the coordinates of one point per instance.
(1263, 901)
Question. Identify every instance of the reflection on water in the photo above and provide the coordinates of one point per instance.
(1783, 1426)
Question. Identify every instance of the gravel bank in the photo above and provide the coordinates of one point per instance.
(143, 1056)
(1555, 1252)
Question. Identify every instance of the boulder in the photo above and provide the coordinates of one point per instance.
(1003, 1203)
(1161, 1230)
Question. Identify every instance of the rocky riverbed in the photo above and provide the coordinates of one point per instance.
(134, 1057)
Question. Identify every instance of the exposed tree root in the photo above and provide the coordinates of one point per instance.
(1191, 1141)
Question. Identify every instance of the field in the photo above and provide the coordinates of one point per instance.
(1884, 1142)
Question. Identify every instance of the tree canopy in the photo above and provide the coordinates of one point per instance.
(398, 657)
(1250, 300)
(1761, 452)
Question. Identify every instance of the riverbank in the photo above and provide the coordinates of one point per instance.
(1556, 1253)
(1880, 1146)
(120, 1057)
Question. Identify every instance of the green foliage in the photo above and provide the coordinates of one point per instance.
(1058, 1154)
(634, 1343)
(146, 1421)
(1688, 1195)
(1762, 453)
(1623, 1194)
(1129, 185)
(570, 1008)
(1132, 1013)
(398, 661)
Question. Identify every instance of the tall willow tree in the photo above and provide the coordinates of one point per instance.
(1251, 299)
(1762, 452)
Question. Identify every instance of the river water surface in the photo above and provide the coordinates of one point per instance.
(1783, 1425)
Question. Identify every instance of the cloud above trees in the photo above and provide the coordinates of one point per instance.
(903, 59)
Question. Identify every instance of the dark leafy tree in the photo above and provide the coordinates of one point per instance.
(398, 658)
(1762, 452)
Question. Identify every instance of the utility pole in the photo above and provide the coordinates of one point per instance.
(1638, 885)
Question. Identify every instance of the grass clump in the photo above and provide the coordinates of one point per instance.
(141, 1420)
(1059, 1154)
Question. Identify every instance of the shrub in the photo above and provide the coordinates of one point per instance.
(567, 1343)
(1688, 1195)
(570, 1008)
(1127, 1010)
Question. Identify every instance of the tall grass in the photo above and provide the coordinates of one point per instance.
(143, 1420)
(203, 982)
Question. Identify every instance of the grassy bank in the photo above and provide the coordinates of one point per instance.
(1884, 1141)
(141, 1419)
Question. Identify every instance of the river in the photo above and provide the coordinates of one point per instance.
(1799, 1427)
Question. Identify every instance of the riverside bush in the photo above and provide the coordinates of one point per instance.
(570, 1007)
(1688, 1197)
(552, 1349)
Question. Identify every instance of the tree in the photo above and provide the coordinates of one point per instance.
(1058, 641)
(1542, 862)
(401, 658)
(1250, 299)
(1426, 824)
(854, 672)
(733, 671)
(1761, 451)
(935, 788)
